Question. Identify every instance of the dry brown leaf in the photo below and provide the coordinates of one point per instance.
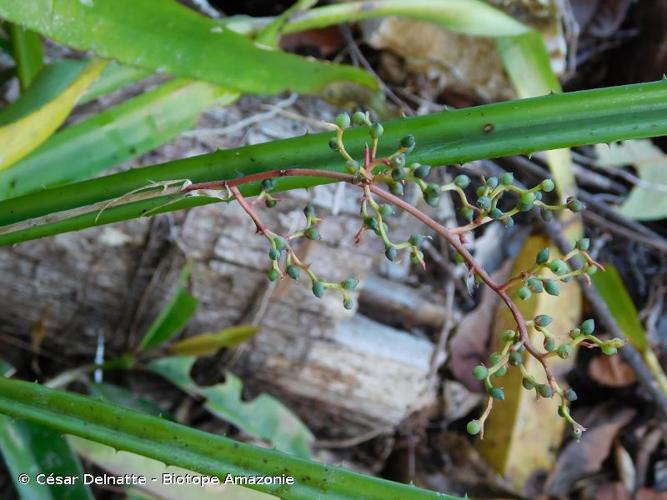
(611, 371)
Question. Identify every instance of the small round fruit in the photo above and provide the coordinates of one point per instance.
(473, 427)
(480, 372)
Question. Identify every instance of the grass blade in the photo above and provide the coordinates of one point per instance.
(166, 36)
(28, 54)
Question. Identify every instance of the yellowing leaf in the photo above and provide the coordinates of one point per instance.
(522, 432)
(648, 200)
(20, 137)
(210, 343)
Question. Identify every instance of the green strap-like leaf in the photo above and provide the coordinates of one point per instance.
(175, 444)
(113, 136)
(27, 52)
(20, 132)
(166, 36)
(209, 343)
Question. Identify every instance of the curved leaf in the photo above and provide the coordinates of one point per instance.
(20, 136)
(209, 343)
(166, 36)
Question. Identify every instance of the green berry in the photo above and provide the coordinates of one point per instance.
(396, 188)
(545, 390)
(549, 344)
(538, 196)
(551, 287)
(268, 184)
(591, 270)
(526, 202)
(535, 285)
(422, 171)
(480, 372)
(467, 213)
(481, 191)
(462, 181)
(293, 272)
(352, 166)
(473, 427)
(492, 182)
(508, 335)
(432, 199)
(347, 303)
(376, 130)
(528, 384)
(408, 142)
(507, 179)
(484, 202)
(543, 320)
(270, 203)
(558, 267)
(350, 284)
(548, 185)
(575, 332)
(417, 240)
(386, 210)
(343, 120)
(542, 256)
(312, 233)
(570, 395)
(398, 174)
(279, 242)
(371, 223)
(583, 244)
(497, 393)
(508, 222)
(515, 359)
(391, 253)
(575, 205)
(501, 371)
(546, 214)
(309, 211)
(272, 274)
(318, 289)
(399, 160)
(524, 293)
(274, 254)
(494, 358)
(588, 326)
(609, 350)
(359, 118)
(577, 433)
(496, 213)
(333, 144)
(564, 351)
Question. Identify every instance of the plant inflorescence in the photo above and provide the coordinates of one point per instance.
(383, 181)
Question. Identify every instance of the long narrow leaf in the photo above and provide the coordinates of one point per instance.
(112, 137)
(166, 36)
(175, 444)
(28, 54)
(20, 137)
(516, 127)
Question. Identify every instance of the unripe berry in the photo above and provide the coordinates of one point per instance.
(312, 233)
(497, 393)
(570, 395)
(376, 130)
(398, 174)
(583, 244)
(352, 166)
(272, 274)
(492, 182)
(576, 433)
(318, 289)
(508, 222)
(546, 214)
(564, 351)
(484, 202)
(343, 120)
(548, 185)
(417, 240)
(515, 359)
(396, 188)
(293, 272)
(549, 344)
(480, 372)
(386, 210)
(496, 213)
(527, 384)
(371, 223)
(508, 335)
(501, 371)
(524, 293)
(422, 171)
(279, 242)
(588, 326)
(591, 270)
(347, 303)
(609, 350)
(575, 205)
(391, 253)
(481, 191)
(526, 202)
(274, 254)
(359, 118)
(535, 285)
(432, 199)
(545, 390)
(551, 287)
(350, 284)
(543, 320)
(462, 181)
(408, 142)
(309, 211)
(270, 203)
(399, 160)
(542, 256)
(507, 179)
(467, 213)
(558, 267)
(473, 427)
(268, 184)
(333, 145)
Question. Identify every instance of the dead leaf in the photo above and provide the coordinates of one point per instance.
(583, 458)
(611, 371)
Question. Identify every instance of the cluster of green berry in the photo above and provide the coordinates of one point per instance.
(532, 281)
